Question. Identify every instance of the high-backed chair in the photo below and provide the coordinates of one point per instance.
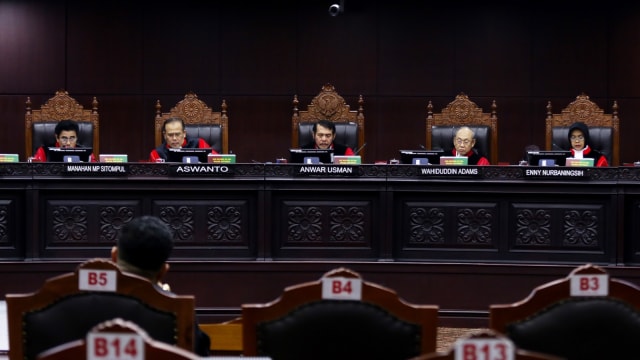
(69, 305)
(338, 317)
(604, 129)
(39, 124)
(441, 127)
(485, 344)
(200, 121)
(328, 104)
(586, 315)
(122, 337)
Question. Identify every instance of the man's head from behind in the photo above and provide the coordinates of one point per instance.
(143, 247)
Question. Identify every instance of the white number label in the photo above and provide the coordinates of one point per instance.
(340, 288)
(97, 280)
(115, 346)
(590, 285)
(484, 349)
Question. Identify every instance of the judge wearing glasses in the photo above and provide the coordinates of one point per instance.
(66, 133)
(580, 144)
(175, 136)
(463, 141)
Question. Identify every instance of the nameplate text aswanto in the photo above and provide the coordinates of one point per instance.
(201, 170)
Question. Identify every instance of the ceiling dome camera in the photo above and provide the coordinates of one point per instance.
(334, 10)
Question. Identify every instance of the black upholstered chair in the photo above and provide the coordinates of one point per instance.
(499, 349)
(586, 315)
(328, 104)
(441, 127)
(304, 324)
(152, 349)
(40, 123)
(200, 121)
(61, 311)
(604, 129)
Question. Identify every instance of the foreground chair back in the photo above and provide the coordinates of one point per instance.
(441, 127)
(586, 315)
(40, 124)
(69, 305)
(485, 344)
(199, 120)
(328, 104)
(338, 317)
(604, 129)
(117, 339)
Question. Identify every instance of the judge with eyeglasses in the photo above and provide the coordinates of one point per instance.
(580, 144)
(463, 141)
(66, 134)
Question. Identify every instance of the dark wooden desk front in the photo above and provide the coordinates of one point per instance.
(251, 229)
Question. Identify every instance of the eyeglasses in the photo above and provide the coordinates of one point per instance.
(577, 138)
(70, 139)
(174, 135)
(463, 142)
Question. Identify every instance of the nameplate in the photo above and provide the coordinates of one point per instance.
(589, 285)
(115, 346)
(585, 162)
(454, 160)
(221, 158)
(347, 159)
(9, 158)
(114, 158)
(325, 170)
(201, 170)
(479, 348)
(93, 169)
(555, 173)
(97, 280)
(341, 288)
(449, 171)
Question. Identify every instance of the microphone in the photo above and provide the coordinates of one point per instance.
(554, 146)
(422, 147)
(360, 149)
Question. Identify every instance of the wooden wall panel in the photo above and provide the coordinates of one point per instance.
(398, 54)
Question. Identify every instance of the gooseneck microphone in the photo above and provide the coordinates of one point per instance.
(361, 147)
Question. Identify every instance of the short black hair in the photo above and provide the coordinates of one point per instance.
(66, 125)
(171, 120)
(145, 242)
(325, 124)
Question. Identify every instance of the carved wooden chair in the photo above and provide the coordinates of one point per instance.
(328, 104)
(604, 129)
(65, 309)
(40, 123)
(586, 315)
(136, 341)
(200, 121)
(312, 321)
(441, 127)
(485, 344)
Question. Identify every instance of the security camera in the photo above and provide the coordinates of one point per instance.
(334, 10)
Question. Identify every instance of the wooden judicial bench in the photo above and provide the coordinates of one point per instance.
(458, 237)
